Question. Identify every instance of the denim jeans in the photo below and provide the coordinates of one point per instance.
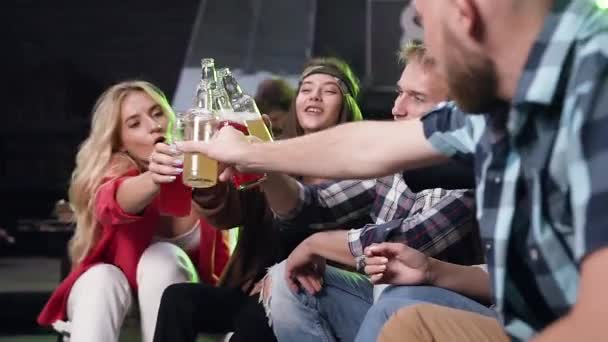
(344, 310)
(394, 298)
(333, 314)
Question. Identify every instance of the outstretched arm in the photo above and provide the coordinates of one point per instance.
(134, 194)
(351, 151)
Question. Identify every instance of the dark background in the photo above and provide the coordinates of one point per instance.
(60, 55)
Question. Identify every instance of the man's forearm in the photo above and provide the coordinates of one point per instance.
(281, 192)
(351, 151)
(319, 207)
(470, 281)
(331, 245)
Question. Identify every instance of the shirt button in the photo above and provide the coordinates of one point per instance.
(497, 180)
(533, 254)
(488, 246)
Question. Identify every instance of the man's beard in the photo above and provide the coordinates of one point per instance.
(471, 78)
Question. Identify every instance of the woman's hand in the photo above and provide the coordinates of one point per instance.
(165, 163)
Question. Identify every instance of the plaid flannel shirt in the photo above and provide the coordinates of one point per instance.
(541, 168)
(436, 221)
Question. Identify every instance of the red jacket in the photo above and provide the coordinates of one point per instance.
(124, 237)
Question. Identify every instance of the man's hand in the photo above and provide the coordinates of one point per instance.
(304, 269)
(228, 146)
(396, 263)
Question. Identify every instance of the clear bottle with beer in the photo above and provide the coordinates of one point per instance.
(175, 198)
(245, 117)
(246, 108)
(199, 125)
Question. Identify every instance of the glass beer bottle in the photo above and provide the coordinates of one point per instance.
(175, 198)
(246, 118)
(199, 125)
(221, 102)
(226, 113)
(246, 108)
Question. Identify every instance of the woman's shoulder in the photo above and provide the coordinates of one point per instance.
(121, 166)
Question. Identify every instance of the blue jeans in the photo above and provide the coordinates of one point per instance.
(394, 298)
(343, 310)
(334, 314)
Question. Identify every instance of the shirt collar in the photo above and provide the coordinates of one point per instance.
(540, 78)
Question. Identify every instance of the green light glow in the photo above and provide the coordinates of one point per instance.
(603, 4)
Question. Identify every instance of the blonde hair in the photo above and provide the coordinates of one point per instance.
(99, 158)
(415, 51)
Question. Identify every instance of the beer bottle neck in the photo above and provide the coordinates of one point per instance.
(204, 95)
(208, 73)
(204, 98)
(232, 87)
(222, 103)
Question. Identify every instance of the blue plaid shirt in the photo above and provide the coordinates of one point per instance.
(541, 165)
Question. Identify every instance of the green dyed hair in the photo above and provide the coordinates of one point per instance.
(349, 86)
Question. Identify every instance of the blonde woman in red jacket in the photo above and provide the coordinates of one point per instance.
(123, 248)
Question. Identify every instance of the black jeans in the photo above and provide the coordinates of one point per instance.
(188, 309)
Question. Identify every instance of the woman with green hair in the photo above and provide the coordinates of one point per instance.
(326, 97)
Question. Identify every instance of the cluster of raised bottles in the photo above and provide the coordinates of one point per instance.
(219, 102)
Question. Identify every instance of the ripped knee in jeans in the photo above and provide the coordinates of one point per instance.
(265, 292)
